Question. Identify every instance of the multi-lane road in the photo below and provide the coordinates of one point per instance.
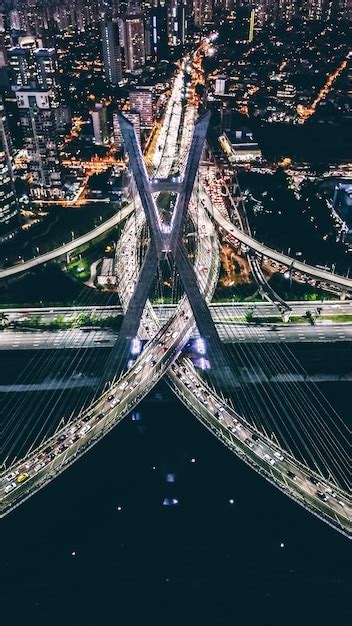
(230, 332)
(230, 320)
(229, 309)
(41, 259)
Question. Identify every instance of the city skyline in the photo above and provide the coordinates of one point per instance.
(175, 243)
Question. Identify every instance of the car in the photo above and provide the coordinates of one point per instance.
(111, 397)
(149, 358)
(22, 477)
(12, 475)
(39, 466)
(313, 480)
(10, 487)
(291, 475)
(138, 369)
(114, 402)
(174, 334)
(124, 385)
(269, 459)
(249, 443)
(84, 430)
(279, 456)
(323, 496)
(255, 437)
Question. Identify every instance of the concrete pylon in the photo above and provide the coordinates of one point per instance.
(166, 242)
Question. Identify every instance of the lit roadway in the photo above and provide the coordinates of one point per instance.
(69, 247)
(286, 473)
(229, 309)
(229, 331)
(298, 269)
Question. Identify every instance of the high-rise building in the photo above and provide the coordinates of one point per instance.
(33, 66)
(9, 215)
(38, 114)
(46, 68)
(22, 66)
(286, 10)
(30, 62)
(100, 125)
(3, 51)
(314, 9)
(203, 12)
(134, 42)
(112, 52)
(262, 12)
(133, 117)
(251, 26)
(158, 31)
(177, 22)
(220, 84)
(15, 20)
(344, 9)
(141, 100)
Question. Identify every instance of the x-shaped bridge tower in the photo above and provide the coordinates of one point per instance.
(166, 241)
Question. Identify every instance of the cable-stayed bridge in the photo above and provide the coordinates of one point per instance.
(291, 437)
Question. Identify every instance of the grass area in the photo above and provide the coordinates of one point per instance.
(60, 323)
(294, 319)
(272, 319)
(79, 269)
(55, 229)
(337, 318)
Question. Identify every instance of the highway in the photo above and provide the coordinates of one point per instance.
(41, 259)
(163, 311)
(230, 332)
(297, 268)
(315, 494)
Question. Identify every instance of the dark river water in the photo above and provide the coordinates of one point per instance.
(99, 546)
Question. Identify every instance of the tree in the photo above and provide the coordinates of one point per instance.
(249, 316)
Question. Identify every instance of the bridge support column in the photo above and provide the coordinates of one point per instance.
(166, 241)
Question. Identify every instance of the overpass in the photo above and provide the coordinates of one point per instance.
(235, 235)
